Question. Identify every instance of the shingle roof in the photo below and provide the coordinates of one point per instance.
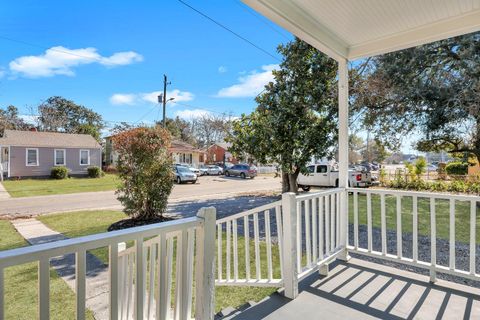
(47, 139)
(224, 145)
(181, 146)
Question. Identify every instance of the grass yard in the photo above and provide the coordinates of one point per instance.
(21, 296)
(462, 216)
(45, 186)
(89, 222)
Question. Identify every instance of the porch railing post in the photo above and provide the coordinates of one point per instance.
(343, 152)
(205, 265)
(290, 272)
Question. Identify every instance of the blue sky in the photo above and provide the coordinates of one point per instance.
(111, 55)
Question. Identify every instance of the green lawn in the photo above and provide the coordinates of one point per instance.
(89, 222)
(40, 187)
(21, 296)
(462, 216)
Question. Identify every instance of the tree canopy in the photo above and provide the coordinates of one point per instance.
(296, 115)
(62, 115)
(10, 119)
(432, 91)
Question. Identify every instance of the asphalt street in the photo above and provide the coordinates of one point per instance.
(206, 190)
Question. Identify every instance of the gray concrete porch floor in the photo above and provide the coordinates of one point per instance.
(365, 290)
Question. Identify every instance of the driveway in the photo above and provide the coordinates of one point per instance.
(208, 188)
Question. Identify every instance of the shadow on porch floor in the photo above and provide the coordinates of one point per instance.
(365, 290)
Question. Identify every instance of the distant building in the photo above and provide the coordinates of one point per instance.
(181, 152)
(33, 154)
(217, 151)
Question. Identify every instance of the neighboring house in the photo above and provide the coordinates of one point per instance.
(181, 152)
(33, 154)
(217, 151)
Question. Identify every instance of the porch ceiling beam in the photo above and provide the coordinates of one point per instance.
(426, 34)
(345, 39)
(301, 24)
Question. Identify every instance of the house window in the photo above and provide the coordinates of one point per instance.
(31, 157)
(84, 157)
(59, 157)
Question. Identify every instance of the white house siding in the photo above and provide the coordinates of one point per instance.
(18, 167)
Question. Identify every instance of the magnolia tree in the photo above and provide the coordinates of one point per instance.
(144, 167)
(296, 115)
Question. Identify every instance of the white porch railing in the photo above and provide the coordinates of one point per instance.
(130, 296)
(318, 230)
(430, 203)
(234, 254)
(273, 245)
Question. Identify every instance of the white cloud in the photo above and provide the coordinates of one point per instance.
(121, 99)
(222, 69)
(150, 97)
(190, 114)
(249, 85)
(62, 61)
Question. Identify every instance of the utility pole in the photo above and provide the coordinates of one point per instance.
(163, 99)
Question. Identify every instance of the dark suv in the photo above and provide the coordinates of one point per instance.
(241, 170)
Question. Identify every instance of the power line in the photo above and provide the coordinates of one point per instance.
(229, 30)
(253, 13)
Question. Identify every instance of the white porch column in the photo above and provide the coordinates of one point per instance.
(343, 150)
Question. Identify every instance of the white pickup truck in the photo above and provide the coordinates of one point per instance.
(326, 175)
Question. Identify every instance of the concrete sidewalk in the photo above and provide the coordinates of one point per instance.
(97, 295)
(3, 192)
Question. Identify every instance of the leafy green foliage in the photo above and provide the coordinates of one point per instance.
(62, 115)
(145, 168)
(430, 91)
(296, 116)
(457, 168)
(94, 172)
(10, 119)
(59, 173)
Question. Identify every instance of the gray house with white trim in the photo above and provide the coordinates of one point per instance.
(33, 154)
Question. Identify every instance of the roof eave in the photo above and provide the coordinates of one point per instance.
(305, 26)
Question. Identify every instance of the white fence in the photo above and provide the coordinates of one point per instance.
(416, 204)
(150, 259)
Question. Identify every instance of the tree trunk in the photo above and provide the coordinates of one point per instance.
(289, 181)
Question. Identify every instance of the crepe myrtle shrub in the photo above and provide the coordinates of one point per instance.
(59, 173)
(145, 168)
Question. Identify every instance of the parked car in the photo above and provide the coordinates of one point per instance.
(190, 167)
(183, 174)
(242, 171)
(214, 170)
(203, 170)
(326, 175)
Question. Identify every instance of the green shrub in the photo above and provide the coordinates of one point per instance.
(59, 173)
(438, 186)
(420, 166)
(457, 168)
(94, 172)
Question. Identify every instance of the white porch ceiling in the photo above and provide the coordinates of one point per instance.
(352, 29)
